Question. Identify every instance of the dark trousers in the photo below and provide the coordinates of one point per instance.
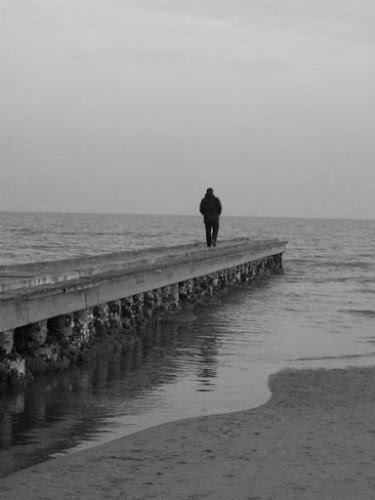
(212, 229)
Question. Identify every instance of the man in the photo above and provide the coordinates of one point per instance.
(210, 208)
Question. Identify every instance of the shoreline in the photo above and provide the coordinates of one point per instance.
(313, 439)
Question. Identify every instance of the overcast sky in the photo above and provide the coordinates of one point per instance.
(138, 106)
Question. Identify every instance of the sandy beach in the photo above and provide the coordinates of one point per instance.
(314, 439)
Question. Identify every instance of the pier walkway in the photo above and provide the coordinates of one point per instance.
(33, 292)
(50, 312)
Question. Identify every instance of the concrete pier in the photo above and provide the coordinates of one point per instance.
(51, 311)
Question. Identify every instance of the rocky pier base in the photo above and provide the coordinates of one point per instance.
(57, 342)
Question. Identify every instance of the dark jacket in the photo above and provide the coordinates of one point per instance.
(210, 208)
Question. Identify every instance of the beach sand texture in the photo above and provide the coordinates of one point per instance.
(314, 439)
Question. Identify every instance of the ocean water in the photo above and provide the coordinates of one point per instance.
(318, 314)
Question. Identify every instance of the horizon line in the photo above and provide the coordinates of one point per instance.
(188, 215)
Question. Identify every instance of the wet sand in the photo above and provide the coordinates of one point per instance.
(314, 439)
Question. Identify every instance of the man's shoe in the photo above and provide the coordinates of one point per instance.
(214, 243)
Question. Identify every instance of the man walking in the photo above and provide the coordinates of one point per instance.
(210, 208)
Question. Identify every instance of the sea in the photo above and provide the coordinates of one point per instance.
(319, 313)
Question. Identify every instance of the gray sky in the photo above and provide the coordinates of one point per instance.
(139, 106)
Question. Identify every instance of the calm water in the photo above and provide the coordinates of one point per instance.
(319, 313)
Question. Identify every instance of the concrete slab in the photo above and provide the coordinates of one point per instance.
(52, 272)
(33, 292)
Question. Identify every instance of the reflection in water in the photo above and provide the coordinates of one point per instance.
(207, 370)
(61, 410)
